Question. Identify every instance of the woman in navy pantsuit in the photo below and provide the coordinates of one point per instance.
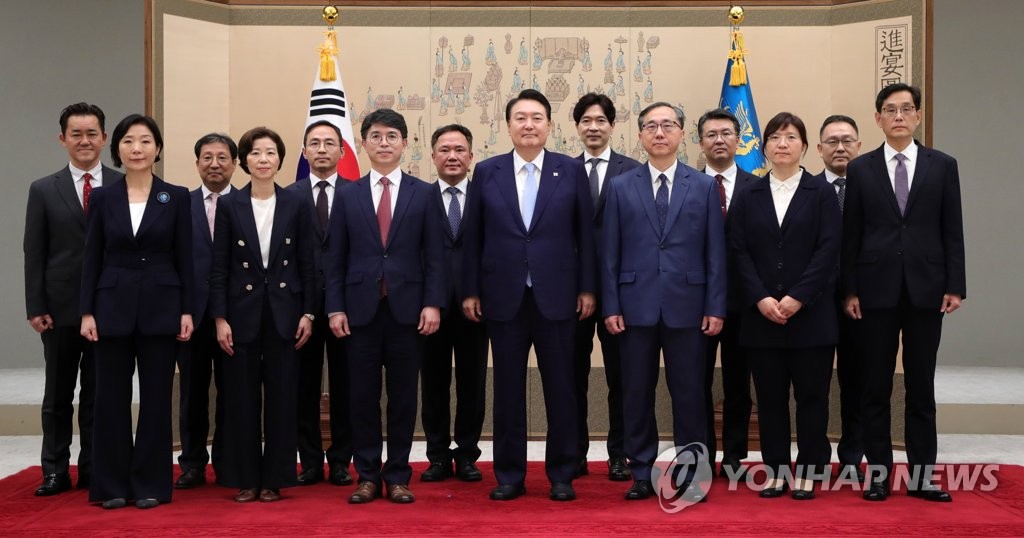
(262, 296)
(785, 233)
(136, 302)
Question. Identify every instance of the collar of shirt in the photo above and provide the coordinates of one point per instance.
(394, 176)
(96, 172)
(910, 152)
(460, 185)
(207, 192)
(670, 174)
(605, 156)
(518, 163)
(729, 174)
(790, 183)
(830, 176)
(331, 180)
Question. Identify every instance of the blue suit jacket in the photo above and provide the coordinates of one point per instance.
(677, 276)
(138, 281)
(239, 284)
(412, 262)
(557, 250)
(798, 259)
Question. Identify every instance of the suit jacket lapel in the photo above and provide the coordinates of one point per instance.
(803, 193)
(369, 212)
(305, 189)
(65, 184)
(247, 221)
(881, 173)
(282, 212)
(121, 211)
(763, 194)
(680, 188)
(550, 177)
(405, 195)
(507, 186)
(643, 185)
(154, 207)
(199, 221)
(920, 175)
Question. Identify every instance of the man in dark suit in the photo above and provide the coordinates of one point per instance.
(54, 238)
(719, 139)
(321, 145)
(201, 356)
(529, 271)
(594, 115)
(452, 153)
(663, 289)
(839, 144)
(903, 269)
(385, 289)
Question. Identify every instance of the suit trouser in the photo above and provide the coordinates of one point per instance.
(684, 351)
(921, 329)
(398, 349)
(122, 468)
(737, 404)
(67, 357)
(260, 382)
(849, 370)
(809, 372)
(199, 359)
(510, 345)
(613, 376)
(310, 383)
(468, 341)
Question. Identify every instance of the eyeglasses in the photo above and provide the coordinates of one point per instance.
(666, 127)
(835, 142)
(222, 160)
(891, 110)
(790, 138)
(376, 138)
(315, 145)
(711, 136)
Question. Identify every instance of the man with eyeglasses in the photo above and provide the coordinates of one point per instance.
(594, 115)
(322, 148)
(529, 273)
(664, 291)
(718, 130)
(902, 271)
(839, 144)
(201, 356)
(386, 285)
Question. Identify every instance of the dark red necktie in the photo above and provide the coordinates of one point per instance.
(721, 192)
(384, 222)
(86, 191)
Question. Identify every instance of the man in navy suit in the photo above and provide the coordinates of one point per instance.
(385, 289)
(54, 239)
(718, 130)
(529, 272)
(594, 115)
(839, 144)
(452, 153)
(902, 270)
(199, 357)
(321, 145)
(663, 289)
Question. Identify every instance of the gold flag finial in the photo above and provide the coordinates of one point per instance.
(329, 48)
(737, 52)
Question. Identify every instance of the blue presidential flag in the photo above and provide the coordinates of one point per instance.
(738, 98)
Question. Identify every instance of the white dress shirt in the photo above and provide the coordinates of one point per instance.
(136, 210)
(77, 174)
(831, 177)
(910, 162)
(446, 197)
(602, 166)
(263, 213)
(519, 165)
(670, 174)
(377, 189)
(783, 191)
(313, 180)
(728, 181)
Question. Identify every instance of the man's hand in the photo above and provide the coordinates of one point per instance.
(851, 306)
(186, 328)
(430, 320)
(41, 323)
(88, 330)
(950, 303)
(585, 305)
(339, 325)
(471, 308)
(712, 325)
(614, 324)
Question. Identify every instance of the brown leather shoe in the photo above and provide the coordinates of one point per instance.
(365, 492)
(269, 495)
(399, 493)
(247, 495)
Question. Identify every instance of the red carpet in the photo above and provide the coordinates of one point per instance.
(455, 508)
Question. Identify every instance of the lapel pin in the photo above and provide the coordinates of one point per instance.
(241, 243)
(555, 174)
(163, 197)
(287, 240)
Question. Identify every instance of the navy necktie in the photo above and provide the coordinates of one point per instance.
(454, 211)
(841, 183)
(661, 200)
(321, 204)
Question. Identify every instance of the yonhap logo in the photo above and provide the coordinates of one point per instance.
(682, 476)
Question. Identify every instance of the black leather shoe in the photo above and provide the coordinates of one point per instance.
(640, 490)
(774, 493)
(930, 492)
(732, 468)
(54, 484)
(851, 473)
(340, 476)
(467, 471)
(581, 469)
(618, 469)
(877, 491)
(562, 492)
(190, 479)
(311, 476)
(693, 493)
(111, 504)
(802, 494)
(437, 471)
(146, 504)
(508, 492)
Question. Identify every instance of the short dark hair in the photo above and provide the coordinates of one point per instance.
(781, 121)
(915, 94)
(81, 109)
(591, 99)
(386, 117)
(528, 94)
(320, 123)
(451, 128)
(252, 135)
(217, 138)
(122, 128)
(680, 115)
(837, 118)
(717, 114)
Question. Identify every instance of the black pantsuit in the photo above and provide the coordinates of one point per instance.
(143, 469)
(199, 359)
(69, 357)
(310, 389)
(398, 349)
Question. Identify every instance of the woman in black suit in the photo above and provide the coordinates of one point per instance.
(262, 295)
(136, 304)
(785, 234)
